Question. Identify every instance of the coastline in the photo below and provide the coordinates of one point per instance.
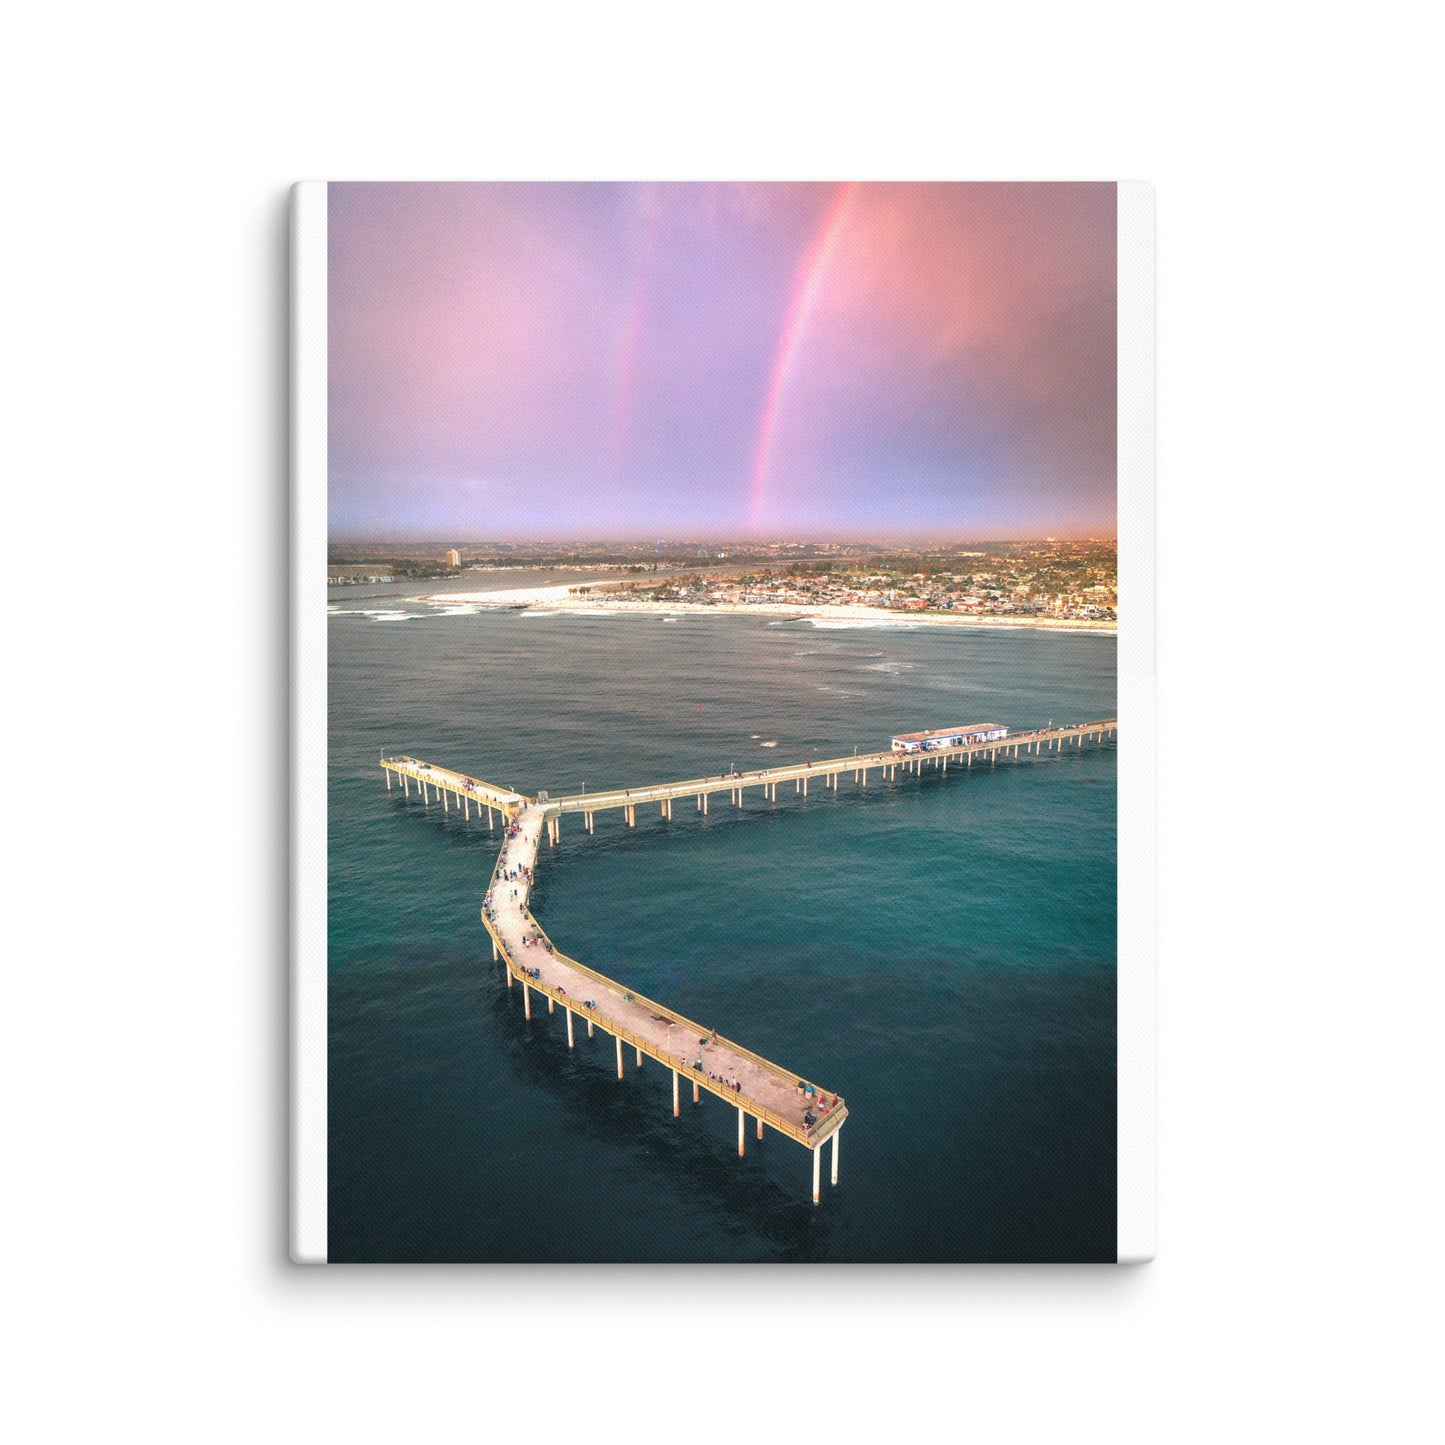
(559, 599)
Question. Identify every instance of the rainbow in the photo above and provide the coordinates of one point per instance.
(807, 284)
(624, 393)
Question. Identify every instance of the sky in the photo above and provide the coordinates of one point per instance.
(706, 360)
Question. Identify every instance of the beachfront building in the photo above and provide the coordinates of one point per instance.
(934, 738)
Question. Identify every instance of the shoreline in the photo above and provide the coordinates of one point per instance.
(559, 599)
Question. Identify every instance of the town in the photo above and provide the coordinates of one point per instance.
(1049, 578)
(1066, 580)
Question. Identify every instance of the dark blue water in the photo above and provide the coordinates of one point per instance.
(941, 950)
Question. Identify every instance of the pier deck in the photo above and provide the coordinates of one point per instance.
(767, 1093)
(452, 784)
(830, 770)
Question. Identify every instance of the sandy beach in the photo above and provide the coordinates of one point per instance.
(561, 599)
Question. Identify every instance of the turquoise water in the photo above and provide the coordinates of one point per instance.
(939, 950)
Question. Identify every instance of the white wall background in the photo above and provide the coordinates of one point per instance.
(147, 1288)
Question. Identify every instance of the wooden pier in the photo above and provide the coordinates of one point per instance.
(758, 1089)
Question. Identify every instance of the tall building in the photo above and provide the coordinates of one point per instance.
(454, 558)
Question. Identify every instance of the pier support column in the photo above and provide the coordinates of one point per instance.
(704, 805)
(589, 1026)
(639, 1058)
(466, 811)
(817, 1165)
(619, 1055)
(760, 1126)
(526, 1001)
(446, 800)
(494, 954)
(551, 1004)
(836, 1133)
(405, 787)
(569, 1028)
(675, 1108)
(387, 771)
(695, 1095)
(742, 1136)
(805, 787)
(490, 823)
(865, 777)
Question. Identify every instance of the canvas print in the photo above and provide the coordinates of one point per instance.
(713, 681)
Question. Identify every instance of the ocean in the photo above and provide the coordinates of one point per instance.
(939, 950)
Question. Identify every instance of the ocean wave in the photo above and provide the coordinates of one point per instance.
(833, 624)
(377, 614)
(568, 612)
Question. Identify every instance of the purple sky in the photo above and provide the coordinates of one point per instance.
(709, 360)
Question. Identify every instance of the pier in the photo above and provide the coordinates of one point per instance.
(764, 1094)
(827, 773)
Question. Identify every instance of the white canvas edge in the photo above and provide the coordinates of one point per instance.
(308, 723)
(1137, 723)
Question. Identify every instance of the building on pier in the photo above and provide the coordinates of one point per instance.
(926, 742)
